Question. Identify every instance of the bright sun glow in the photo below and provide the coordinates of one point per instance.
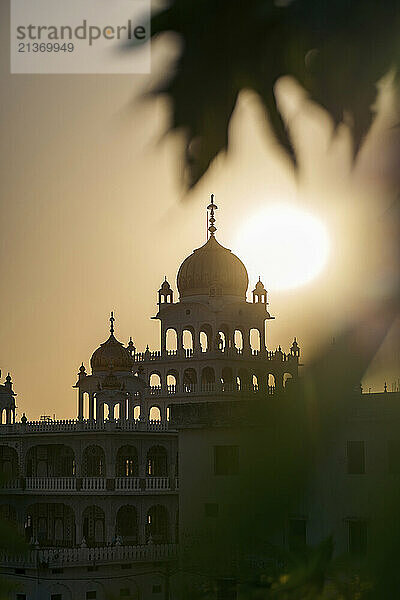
(287, 246)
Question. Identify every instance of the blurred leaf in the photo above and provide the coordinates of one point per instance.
(337, 50)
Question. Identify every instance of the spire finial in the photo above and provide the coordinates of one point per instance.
(112, 323)
(212, 207)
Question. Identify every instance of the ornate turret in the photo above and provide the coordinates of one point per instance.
(295, 348)
(260, 293)
(111, 352)
(7, 400)
(165, 293)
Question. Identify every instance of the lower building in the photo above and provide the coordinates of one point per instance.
(190, 447)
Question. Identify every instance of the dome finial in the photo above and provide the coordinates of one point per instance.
(112, 323)
(211, 219)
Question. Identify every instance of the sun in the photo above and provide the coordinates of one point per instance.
(284, 244)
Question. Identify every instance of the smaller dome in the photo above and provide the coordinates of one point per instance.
(111, 354)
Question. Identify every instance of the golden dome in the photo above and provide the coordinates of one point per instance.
(212, 270)
(111, 354)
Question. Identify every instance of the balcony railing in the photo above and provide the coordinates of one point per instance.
(93, 484)
(57, 557)
(53, 484)
(186, 353)
(157, 483)
(209, 388)
(88, 484)
(66, 425)
(127, 483)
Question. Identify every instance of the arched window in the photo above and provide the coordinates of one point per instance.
(8, 513)
(51, 524)
(155, 380)
(286, 378)
(207, 375)
(255, 339)
(157, 525)
(171, 340)
(155, 414)
(205, 337)
(271, 380)
(136, 413)
(171, 381)
(94, 462)
(172, 378)
(127, 462)
(255, 382)
(223, 334)
(157, 462)
(51, 460)
(117, 411)
(238, 339)
(127, 525)
(227, 379)
(244, 379)
(189, 380)
(86, 400)
(8, 463)
(93, 520)
(187, 339)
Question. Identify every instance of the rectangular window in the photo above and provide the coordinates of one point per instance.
(91, 595)
(356, 458)
(226, 460)
(358, 537)
(211, 510)
(394, 456)
(124, 592)
(56, 597)
(156, 589)
(297, 537)
(20, 597)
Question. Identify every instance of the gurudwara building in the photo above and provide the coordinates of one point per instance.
(105, 499)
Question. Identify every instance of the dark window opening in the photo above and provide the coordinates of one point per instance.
(226, 460)
(297, 534)
(124, 592)
(357, 538)
(91, 595)
(356, 458)
(156, 589)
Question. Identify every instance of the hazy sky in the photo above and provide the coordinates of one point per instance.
(93, 216)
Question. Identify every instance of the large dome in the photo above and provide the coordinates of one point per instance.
(111, 354)
(212, 270)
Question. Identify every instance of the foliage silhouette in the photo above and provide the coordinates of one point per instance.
(336, 50)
